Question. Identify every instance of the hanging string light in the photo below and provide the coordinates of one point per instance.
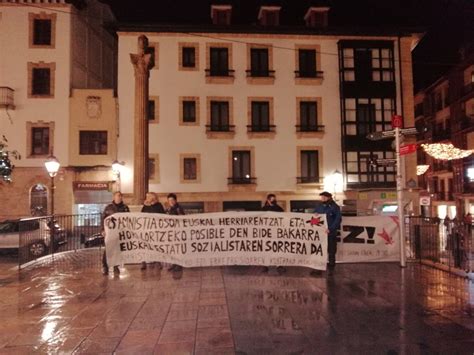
(421, 169)
(445, 151)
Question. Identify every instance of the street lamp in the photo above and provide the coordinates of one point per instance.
(337, 180)
(52, 166)
(116, 169)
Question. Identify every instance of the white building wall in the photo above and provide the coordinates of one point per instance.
(15, 53)
(275, 159)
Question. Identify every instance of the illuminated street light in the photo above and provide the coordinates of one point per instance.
(52, 166)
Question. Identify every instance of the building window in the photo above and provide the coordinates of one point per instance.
(189, 57)
(151, 110)
(219, 62)
(368, 64)
(362, 170)
(40, 141)
(93, 142)
(269, 16)
(221, 16)
(365, 119)
(259, 63)
(241, 167)
(41, 80)
(309, 117)
(152, 168)
(190, 169)
(220, 117)
(189, 111)
(260, 117)
(307, 63)
(42, 32)
(309, 163)
(39, 200)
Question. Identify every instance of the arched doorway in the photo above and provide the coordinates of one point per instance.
(39, 200)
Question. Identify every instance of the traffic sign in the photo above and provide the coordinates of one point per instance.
(397, 121)
(385, 162)
(376, 136)
(407, 149)
(425, 200)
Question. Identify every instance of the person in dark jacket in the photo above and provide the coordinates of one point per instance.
(333, 217)
(116, 206)
(271, 205)
(174, 209)
(152, 205)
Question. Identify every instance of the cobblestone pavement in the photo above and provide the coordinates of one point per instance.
(67, 306)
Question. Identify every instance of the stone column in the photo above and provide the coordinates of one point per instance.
(142, 62)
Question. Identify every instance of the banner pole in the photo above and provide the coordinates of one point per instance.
(401, 217)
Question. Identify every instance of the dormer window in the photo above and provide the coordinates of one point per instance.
(269, 15)
(221, 14)
(317, 17)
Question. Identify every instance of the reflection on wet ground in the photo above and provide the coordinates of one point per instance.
(361, 308)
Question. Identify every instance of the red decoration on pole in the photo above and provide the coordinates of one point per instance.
(407, 149)
(397, 121)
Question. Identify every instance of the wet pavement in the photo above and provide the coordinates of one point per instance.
(65, 307)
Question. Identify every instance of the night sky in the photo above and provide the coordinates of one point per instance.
(448, 23)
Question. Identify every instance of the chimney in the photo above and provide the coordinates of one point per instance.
(221, 14)
(317, 17)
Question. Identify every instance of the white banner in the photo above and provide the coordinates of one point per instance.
(213, 239)
(368, 239)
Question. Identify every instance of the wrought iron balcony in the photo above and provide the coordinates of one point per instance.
(220, 128)
(241, 180)
(261, 128)
(7, 97)
(260, 73)
(309, 74)
(308, 180)
(220, 72)
(309, 128)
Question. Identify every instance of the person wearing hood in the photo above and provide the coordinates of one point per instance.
(174, 209)
(271, 205)
(333, 217)
(152, 205)
(116, 206)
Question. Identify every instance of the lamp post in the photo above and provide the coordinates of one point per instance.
(52, 166)
(336, 178)
(116, 168)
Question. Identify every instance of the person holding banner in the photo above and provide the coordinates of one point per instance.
(333, 217)
(116, 206)
(176, 210)
(152, 205)
(271, 205)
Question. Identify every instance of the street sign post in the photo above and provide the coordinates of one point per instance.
(397, 132)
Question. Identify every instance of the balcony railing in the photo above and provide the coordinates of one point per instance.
(220, 128)
(7, 97)
(261, 128)
(444, 196)
(220, 72)
(308, 180)
(309, 74)
(309, 128)
(260, 73)
(241, 180)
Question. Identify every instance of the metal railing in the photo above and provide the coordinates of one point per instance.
(308, 180)
(263, 73)
(42, 236)
(261, 128)
(220, 128)
(220, 72)
(446, 243)
(309, 74)
(309, 128)
(241, 180)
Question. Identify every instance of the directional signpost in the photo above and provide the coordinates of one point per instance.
(397, 132)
